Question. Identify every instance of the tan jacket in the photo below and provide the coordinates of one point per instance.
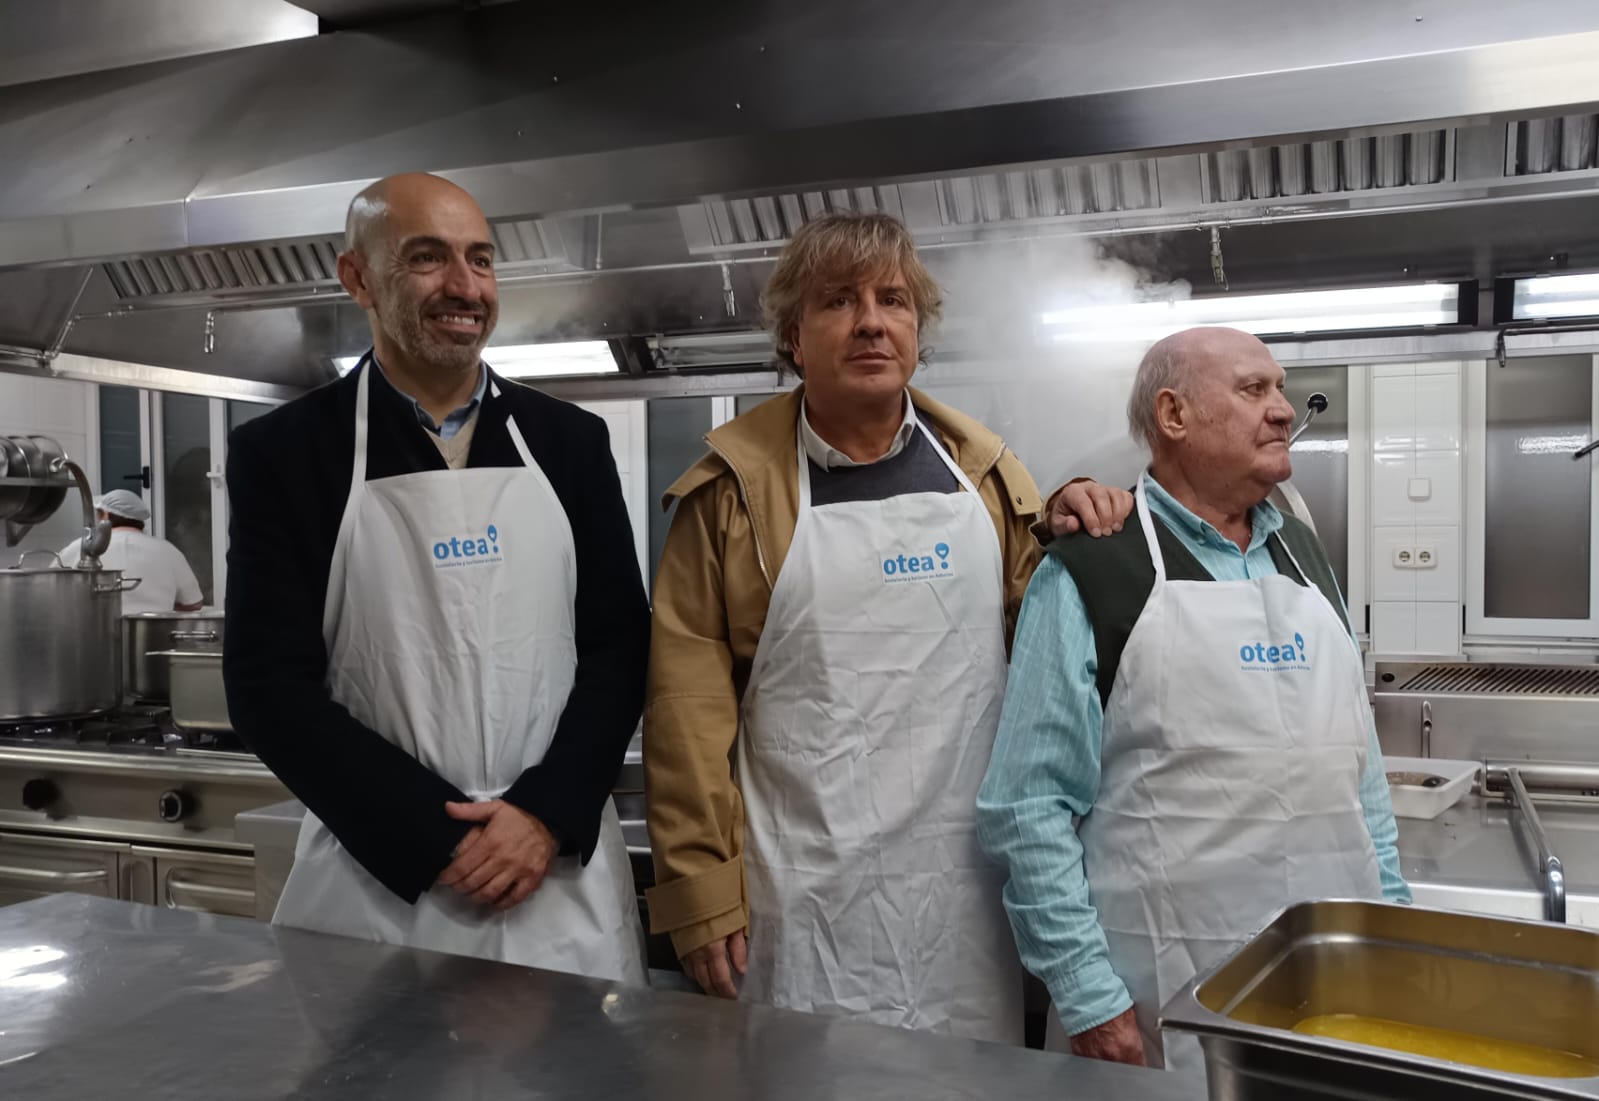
(734, 522)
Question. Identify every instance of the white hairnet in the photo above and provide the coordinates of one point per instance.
(124, 502)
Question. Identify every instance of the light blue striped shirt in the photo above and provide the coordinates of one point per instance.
(1046, 768)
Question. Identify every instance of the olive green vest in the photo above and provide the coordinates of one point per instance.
(1115, 574)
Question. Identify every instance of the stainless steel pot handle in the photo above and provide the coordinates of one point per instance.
(23, 557)
(96, 533)
(195, 636)
(126, 585)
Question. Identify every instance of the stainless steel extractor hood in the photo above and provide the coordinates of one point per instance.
(641, 173)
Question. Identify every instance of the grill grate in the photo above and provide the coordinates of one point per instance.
(1505, 680)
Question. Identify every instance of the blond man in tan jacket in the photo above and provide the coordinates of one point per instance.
(831, 617)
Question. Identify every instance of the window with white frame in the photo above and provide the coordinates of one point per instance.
(1532, 509)
(179, 443)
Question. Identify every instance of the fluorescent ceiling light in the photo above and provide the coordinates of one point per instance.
(1351, 310)
(557, 360)
(573, 357)
(1549, 296)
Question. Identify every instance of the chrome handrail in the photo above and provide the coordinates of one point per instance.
(1550, 868)
(1561, 775)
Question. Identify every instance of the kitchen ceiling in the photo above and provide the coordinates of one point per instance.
(42, 41)
(355, 13)
(641, 174)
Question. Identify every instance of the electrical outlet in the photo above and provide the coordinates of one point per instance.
(1421, 557)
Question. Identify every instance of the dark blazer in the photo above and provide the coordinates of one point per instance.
(288, 479)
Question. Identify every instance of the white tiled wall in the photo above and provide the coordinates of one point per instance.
(64, 411)
(1416, 509)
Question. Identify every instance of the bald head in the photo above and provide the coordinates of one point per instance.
(419, 259)
(1183, 363)
(367, 222)
(1210, 404)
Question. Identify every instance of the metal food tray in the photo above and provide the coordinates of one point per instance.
(198, 699)
(1526, 981)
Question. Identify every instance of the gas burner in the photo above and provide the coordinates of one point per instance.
(41, 730)
(138, 726)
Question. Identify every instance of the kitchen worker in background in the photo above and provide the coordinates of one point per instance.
(166, 580)
(832, 610)
(436, 629)
(1186, 744)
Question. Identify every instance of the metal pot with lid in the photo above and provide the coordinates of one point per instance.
(60, 629)
(148, 636)
(35, 475)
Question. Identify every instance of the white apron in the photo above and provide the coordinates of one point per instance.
(1235, 737)
(449, 628)
(867, 723)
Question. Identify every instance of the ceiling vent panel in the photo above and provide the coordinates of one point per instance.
(1329, 167)
(954, 202)
(225, 270)
(559, 244)
(772, 219)
(1537, 147)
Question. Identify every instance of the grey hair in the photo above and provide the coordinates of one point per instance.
(1160, 369)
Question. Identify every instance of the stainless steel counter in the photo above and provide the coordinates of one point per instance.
(1474, 857)
(111, 999)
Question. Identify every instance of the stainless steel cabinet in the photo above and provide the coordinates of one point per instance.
(33, 867)
(179, 880)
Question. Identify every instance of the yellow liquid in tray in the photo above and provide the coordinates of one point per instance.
(1454, 1047)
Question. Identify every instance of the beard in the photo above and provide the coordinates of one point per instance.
(403, 323)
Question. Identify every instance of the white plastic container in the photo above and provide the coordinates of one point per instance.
(1417, 801)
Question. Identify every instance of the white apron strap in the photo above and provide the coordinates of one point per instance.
(341, 545)
(363, 393)
(938, 449)
(516, 433)
(804, 470)
(1304, 577)
(1147, 522)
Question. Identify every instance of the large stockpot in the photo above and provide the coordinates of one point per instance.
(147, 636)
(61, 640)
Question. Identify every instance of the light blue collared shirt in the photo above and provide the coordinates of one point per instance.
(453, 422)
(1046, 768)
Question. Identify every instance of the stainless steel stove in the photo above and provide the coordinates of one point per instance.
(128, 805)
(136, 726)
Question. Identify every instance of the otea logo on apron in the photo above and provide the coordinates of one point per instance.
(468, 550)
(1274, 659)
(919, 567)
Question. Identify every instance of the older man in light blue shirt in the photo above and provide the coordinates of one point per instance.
(1152, 761)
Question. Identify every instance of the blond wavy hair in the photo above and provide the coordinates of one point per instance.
(843, 248)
